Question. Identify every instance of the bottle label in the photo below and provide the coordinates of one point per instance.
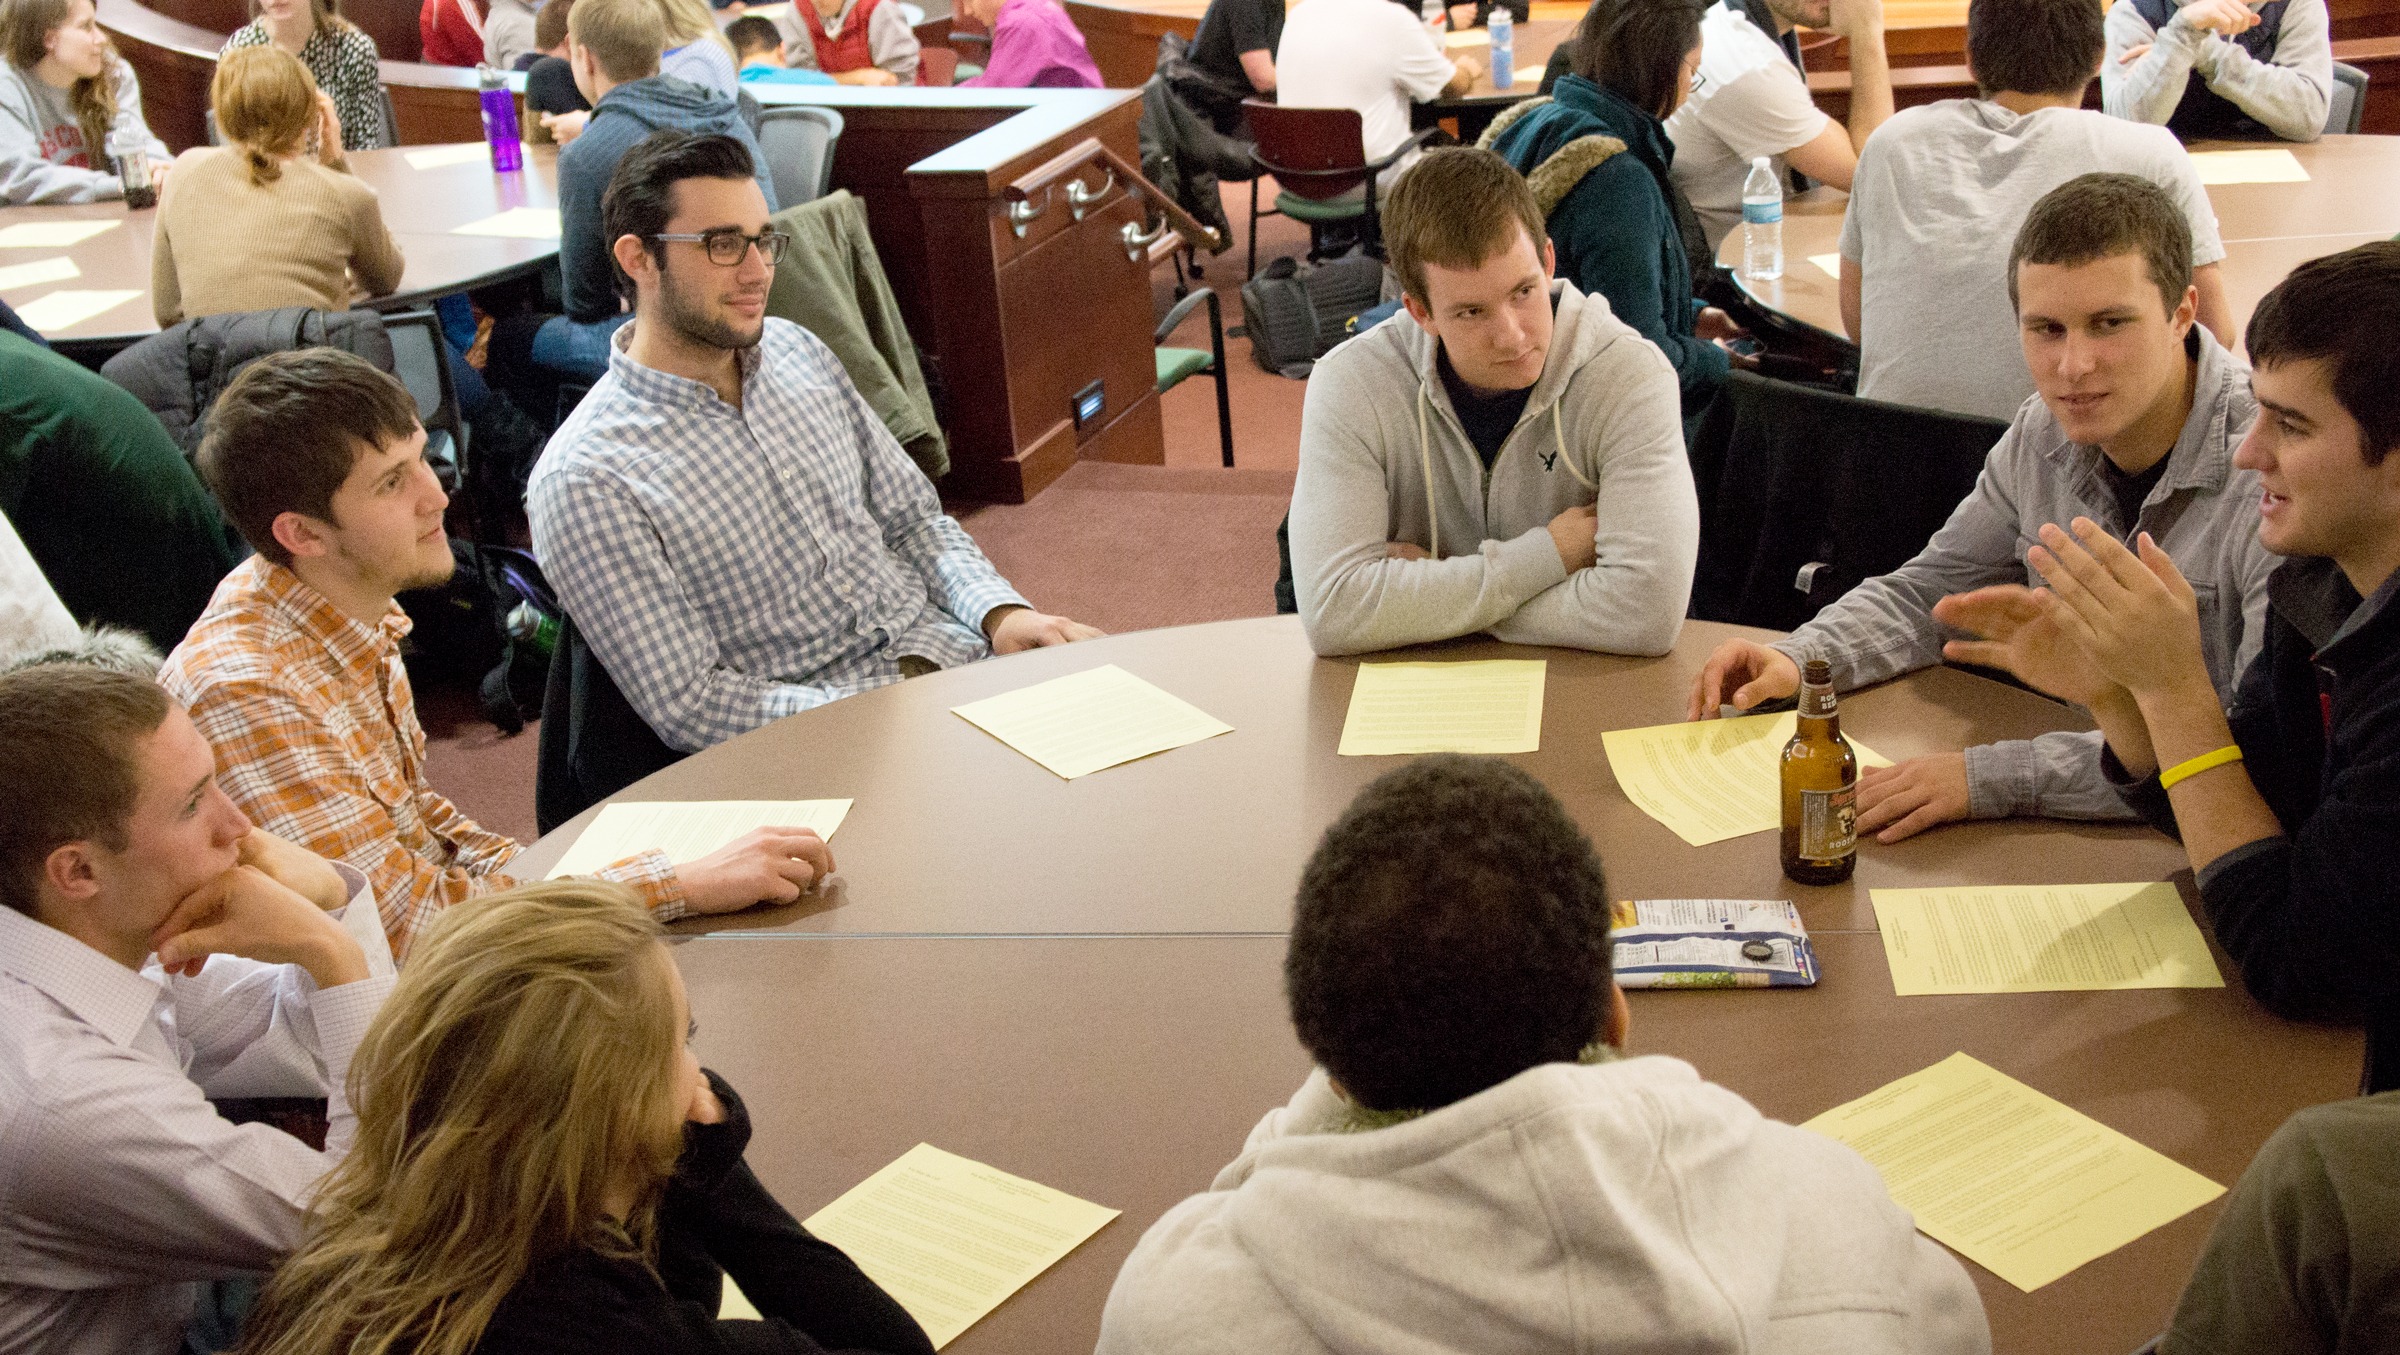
(1828, 824)
(1762, 213)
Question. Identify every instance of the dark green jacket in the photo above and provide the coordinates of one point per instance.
(832, 284)
(106, 504)
(1598, 167)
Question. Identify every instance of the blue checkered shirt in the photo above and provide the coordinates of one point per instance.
(732, 566)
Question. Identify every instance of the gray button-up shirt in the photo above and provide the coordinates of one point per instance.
(120, 1184)
(732, 566)
(2203, 511)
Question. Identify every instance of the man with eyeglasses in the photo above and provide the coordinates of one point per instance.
(733, 529)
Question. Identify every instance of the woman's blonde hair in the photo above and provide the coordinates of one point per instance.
(690, 21)
(524, 1063)
(25, 29)
(265, 101)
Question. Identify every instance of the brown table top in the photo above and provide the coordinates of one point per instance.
(1136, 1072)
(1210, 838)
(1533, 43)
(2352, 196)
(420, 206)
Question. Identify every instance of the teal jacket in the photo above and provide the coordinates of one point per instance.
(1598, 167)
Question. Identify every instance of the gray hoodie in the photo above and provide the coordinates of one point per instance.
(2288, 95)
(42, 155)
(1383, 458)
(1614, 1207)
(2203, 512)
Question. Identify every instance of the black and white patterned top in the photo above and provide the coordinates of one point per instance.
(344, 61)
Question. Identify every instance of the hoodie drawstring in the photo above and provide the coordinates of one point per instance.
(1433, 515)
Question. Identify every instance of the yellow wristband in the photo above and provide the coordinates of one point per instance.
(2184, 771)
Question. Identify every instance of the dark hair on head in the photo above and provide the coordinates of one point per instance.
(2100, 216)
(640, 200)
(2342, 310)
(1451, 932)
(2035, 46)
(67, 768)
(1458, 207)
(751, 35)
(1635, 48)
(284, 435)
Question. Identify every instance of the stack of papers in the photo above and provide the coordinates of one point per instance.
(687, 830)
(1481, 707)
(1711, 943)
(517, 223)
(2262, 166)
(2025, 1187)
(1711, 779)
(462, 153)
(53, 234)
(55, 311)
(950, 1238)
(39, 271)
(1081, 723)
(2041, 939)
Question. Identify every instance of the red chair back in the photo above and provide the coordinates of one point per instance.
(937, 66)
(1314, 153)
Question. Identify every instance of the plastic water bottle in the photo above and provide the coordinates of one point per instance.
(1504, 48)
(1762, 222)
(1435, 13)
(500, 120)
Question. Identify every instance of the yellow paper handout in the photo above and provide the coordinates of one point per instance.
(1710, 780)
(1492, 706)
(2012, 1180)
(2041, 939)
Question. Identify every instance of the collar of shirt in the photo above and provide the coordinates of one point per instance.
(105, 995)
(679, 392)
(2202, 457)
(360, 649)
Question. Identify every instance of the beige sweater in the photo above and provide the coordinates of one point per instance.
(313, 237)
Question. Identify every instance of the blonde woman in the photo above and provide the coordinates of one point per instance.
(63, 89)
(262, 221)
(338, 54)
(542, 1165)
(696, 50)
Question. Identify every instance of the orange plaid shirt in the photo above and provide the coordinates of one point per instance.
(316, 735)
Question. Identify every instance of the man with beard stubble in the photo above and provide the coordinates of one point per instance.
(731, 527)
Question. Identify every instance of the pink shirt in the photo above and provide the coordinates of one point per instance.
(1036, 46)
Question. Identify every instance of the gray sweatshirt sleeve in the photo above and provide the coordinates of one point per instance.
(891, 43)
(26, 176)
(1353, 597)
(1631, 601)
(2288, 94)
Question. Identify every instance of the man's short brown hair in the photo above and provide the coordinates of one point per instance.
(550, 24)
(625, 37)
(2341, 310)
(2035, 46)
(67, 767)
(2100, 216)
(1459, 207)
(284, 435)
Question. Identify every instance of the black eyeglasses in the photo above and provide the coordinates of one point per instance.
(726, 248)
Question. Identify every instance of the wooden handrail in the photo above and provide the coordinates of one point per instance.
(1071, 163)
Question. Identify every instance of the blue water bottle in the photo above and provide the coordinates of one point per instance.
(1504, 48)
(500, 120)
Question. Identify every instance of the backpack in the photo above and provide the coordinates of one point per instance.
(1295, 313)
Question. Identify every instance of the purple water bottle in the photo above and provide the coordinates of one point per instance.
(500, 120)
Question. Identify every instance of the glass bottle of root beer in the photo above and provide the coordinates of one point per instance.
(1820, 788)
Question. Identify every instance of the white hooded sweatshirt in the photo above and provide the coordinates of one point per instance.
(1383, 458)
(1618, 1207)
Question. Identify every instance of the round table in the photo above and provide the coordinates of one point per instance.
(1080, 982)
(2352, 196)
(421, 207)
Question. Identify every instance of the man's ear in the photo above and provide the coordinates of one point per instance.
(1617, 1024)
(2187, 314)
(70, 870)
(1421, 313)
(303, 537)
(1549, 256)
(633, 255)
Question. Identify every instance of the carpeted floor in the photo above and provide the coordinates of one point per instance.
(1121, 547)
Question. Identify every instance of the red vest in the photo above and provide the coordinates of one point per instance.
(847, 52)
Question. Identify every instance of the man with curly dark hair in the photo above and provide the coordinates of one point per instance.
(1476, 1165)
